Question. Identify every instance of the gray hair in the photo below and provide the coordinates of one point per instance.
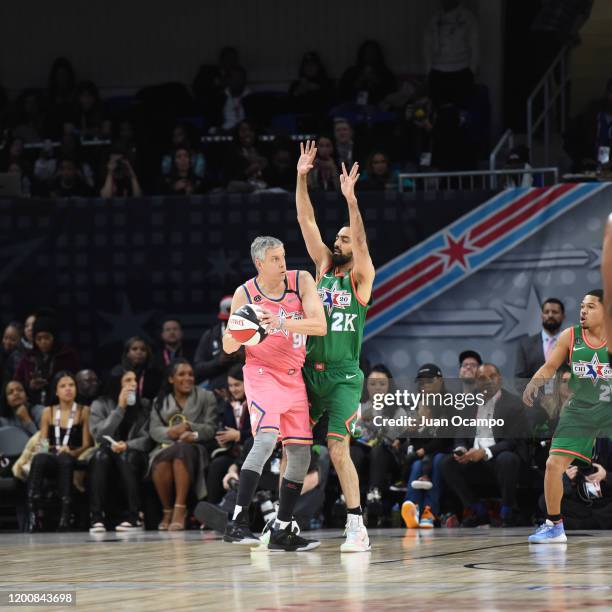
(261, 244)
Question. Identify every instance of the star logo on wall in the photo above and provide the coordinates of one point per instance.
(528, 319)
(125, 324)
(456, 251)
(221, 266)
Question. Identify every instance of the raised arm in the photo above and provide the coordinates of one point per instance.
(318, 251)
(363, 268)
(558, 356)
(606, 276)
(230, 345)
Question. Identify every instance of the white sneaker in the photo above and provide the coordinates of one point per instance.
(97, 528)
(422, 485)
(127, 527)
(357, 539)
(265, 534)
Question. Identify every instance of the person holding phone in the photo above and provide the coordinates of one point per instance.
(119, 423)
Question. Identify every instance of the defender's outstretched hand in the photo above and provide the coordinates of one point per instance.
(348, 181)
(308, 153)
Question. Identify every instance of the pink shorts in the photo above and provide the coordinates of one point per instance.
(278, 402)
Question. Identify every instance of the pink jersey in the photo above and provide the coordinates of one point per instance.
(281, 350)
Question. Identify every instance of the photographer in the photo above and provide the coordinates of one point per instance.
(233, 432)
(121, 180)
(587, 492)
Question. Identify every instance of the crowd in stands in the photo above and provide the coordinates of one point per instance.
(143, 443)
(226, 133)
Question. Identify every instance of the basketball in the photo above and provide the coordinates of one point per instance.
(245, 327)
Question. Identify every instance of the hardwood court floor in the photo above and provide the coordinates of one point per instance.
(456, 569)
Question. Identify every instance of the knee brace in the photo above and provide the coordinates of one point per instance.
(263, 446)
(298, 460)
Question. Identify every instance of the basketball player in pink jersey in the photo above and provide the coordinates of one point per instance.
(275, 390)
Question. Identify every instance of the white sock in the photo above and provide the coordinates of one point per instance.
(237, 511)
(280, 524)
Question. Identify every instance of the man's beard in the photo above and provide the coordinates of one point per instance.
(551, 326)
(340, 260)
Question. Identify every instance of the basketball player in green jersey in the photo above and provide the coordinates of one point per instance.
(333, 379)
(588, 413)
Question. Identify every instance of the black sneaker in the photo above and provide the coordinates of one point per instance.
(211, 516)
(475, 520)
(239, 532)
(286, 540)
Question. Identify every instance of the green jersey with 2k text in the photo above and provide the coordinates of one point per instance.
(345, 314)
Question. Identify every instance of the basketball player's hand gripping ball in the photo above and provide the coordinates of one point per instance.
(246, 327)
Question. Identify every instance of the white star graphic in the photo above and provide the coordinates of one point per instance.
(221, 266)
(125, 324)
(528, 320)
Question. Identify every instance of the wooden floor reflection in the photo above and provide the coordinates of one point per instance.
(492, 569)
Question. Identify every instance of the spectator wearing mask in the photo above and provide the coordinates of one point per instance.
(64, 431)
(312, 92)
(15, 410)
(49, 356)
(12, 350)
(183, 420)
(138, 356)
(182, 179)
(451, 53)
(211, 363)
(370, 80)
(533, 350)
(324, 176)
(88, 386)
(171, 343)
(122, 416)
(488, 455)
(234, 431)
(121, 180)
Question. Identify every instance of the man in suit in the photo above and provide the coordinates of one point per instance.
(486, 455)
(533, 350)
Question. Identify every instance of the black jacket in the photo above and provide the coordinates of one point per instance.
(529, 357)
(509, 437)
(210, 363)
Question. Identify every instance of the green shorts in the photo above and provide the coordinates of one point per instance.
(578, 428)
(337, 391)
